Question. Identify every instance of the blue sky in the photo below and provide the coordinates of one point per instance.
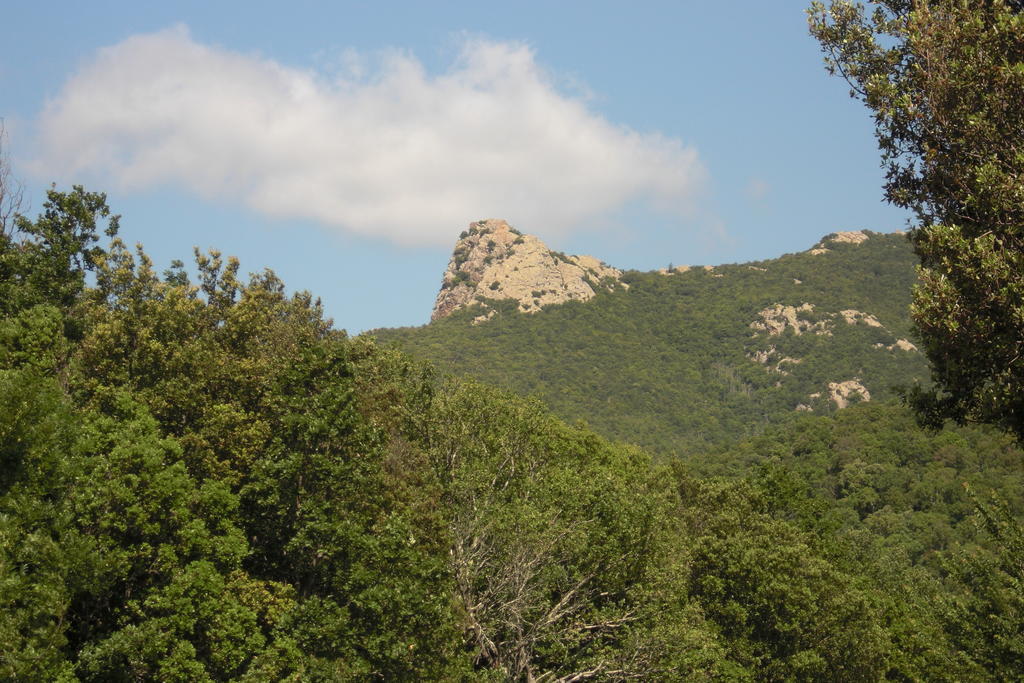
(345, 145)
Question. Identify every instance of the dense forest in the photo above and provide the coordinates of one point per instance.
(205, 481)
(201, 479)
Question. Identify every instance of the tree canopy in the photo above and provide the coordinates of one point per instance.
(205, 481)
(944, 80)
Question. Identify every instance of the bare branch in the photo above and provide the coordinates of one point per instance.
(12, 192)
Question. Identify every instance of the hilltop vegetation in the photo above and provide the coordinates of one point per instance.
(205, 481)
(673, 363)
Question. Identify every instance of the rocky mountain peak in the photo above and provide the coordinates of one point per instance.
(493, 260)
(843, 237)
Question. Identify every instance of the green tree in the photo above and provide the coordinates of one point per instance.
(260, 398)
(45, 261)
(944, 80)
(328, 517)
(37, 561)
(564, 553)
(985, 609)
(786, 610)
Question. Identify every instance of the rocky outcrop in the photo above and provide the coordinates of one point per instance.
(847, 237)
(853, 316)
(776, 319)
(900, 344)
(767, 357)
(851, 237)
(493, 260)
(840, 393)
(774, 322)
(844, 393)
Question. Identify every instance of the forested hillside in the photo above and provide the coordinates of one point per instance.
(702, 473)
(203, 480)
(684, 361)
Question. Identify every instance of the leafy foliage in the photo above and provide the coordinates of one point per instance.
(207, 482)
(944, 81)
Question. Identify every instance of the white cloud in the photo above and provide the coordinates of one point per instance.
(383, 149)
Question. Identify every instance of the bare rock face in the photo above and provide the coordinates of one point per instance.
(850, 237)
(853, 316)
(840, 393)
(776, 319)
(767, 358)
(900, 344)
(493, 260)
(843, 393)
(847, 237)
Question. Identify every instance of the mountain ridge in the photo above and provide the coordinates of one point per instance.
(492, 260)
(700, 356)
